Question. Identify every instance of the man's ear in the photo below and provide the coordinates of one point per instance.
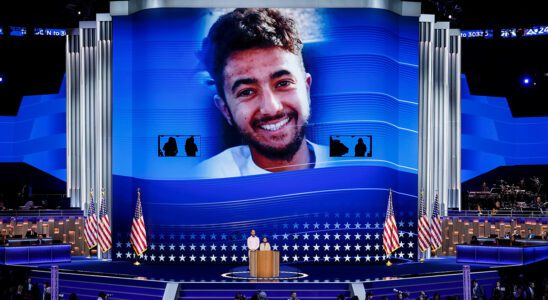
(308, 81)
(223, 107)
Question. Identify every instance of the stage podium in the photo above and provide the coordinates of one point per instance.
(264, 264)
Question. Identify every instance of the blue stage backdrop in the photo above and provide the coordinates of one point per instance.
(491, 137)
(37, 134)
(364, 68)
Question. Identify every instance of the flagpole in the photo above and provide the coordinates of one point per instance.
(138, 231)
(137, 263)
(391, 241)
(87, 214)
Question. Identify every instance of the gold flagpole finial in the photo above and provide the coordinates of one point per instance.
(139, 193)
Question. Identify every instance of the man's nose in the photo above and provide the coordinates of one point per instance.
(270, 104)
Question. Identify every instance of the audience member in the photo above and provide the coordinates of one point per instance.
(530, 234)
(340, 297)
(498, 292)
(474, 240)
(102, 296)
(422, 296)
(73, 296)
(46, 293)
(293, 296)
(530, 291)
(477, 291)
(30, 289)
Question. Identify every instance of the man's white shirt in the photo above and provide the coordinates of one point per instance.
(253, 243)
(237, 161)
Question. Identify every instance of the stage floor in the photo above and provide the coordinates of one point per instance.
(213, 273)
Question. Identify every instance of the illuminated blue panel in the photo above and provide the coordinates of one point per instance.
(37, 135)
(34, 254)
(491, 137)
(18, 31)
(536, 30)
(50, 31)
(501, 255)
(479, 33)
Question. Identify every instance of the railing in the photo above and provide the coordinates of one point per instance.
(74, 212)
(499, 213)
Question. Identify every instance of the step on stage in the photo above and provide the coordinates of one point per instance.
(124, 280)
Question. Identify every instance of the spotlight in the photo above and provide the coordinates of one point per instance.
(526, 81)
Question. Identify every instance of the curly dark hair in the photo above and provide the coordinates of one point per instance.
(243, 29)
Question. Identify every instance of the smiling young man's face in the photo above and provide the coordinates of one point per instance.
(267, 99)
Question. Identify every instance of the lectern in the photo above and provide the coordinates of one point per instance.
(264, 264)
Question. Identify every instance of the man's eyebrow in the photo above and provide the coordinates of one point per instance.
(279, 73)
(239, 82)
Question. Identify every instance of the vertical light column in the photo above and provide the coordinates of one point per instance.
(455, 111)
(89, 112)
(441, 112)
(104, 108)
(73, 117)
(88, 77)
(426, 64)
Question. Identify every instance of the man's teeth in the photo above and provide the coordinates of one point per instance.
(275, 126)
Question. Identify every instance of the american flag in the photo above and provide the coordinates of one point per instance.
(435, 226)
(138, 236)
(424, 226)
(90, 225)
(105, 238)
(390, 238)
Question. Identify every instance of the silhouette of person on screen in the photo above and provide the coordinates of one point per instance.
(263, 91)
(336, 147)
(170, 147)
(360, 148)
(190, 146)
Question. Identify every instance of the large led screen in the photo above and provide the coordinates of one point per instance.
(265, 118)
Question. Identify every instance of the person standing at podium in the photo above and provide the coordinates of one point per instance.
(252, 245)
(265, 245)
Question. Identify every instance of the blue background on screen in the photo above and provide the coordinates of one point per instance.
(37, 134)
(364, 67)
(491, 137)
